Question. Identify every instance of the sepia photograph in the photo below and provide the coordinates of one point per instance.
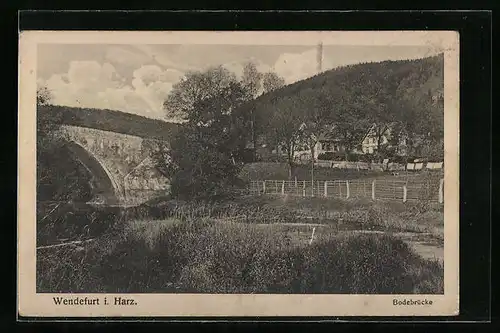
(253, 174)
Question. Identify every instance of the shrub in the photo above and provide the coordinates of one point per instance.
(57, 221)
(332, 156)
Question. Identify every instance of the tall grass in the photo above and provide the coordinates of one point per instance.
(206, 256)
(355, 213)
(58, 221)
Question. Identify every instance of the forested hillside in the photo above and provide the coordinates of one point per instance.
(408, 93)
(107, 120)
(407, 80)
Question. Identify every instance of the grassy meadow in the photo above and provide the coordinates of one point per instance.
(254, 245)
(280, 171)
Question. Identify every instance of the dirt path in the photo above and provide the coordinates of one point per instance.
(425, 244)
(422, 243)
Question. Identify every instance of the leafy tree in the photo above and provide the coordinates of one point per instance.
(54, 160)
(272, 81)
(202, 158)
(194, 87)
(349, 118)
(43, 96)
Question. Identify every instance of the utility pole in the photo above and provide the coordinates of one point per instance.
(319, 62)
(312, 171)
(320, 57)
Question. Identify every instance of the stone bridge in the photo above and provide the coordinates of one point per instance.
(115, 148)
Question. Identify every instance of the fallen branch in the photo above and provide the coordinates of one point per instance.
(64, 244)
(51, 212)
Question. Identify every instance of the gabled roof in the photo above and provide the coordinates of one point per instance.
(371, 129)
(328, 136)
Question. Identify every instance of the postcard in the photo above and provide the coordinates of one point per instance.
(237, 173)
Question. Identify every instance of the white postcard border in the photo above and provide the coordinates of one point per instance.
(204, 305)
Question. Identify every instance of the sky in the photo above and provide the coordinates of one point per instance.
(137, 78)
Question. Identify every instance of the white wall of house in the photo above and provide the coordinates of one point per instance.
(327, 146)
(370, 143)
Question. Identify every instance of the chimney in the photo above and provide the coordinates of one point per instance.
(320, 57)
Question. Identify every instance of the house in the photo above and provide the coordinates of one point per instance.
(329, 143)
(369, 144)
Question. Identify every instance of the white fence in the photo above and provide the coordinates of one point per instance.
(391, 190)
(389, 166)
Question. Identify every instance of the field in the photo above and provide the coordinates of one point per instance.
(279, 171)
(257, 245)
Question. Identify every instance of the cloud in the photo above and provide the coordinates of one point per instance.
(153, 84)
(90, 84)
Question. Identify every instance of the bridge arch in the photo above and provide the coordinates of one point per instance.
(103, 185)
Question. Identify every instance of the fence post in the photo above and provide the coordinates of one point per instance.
(326, 189)
(441, 190)
(264, 187)
(283, 188)
(295, 181)
(405, 192)
(347, 188)
(373, 190)
(304, 189)
(312, 236)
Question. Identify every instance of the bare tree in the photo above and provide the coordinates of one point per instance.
(316, 120)
(251, 80)
(251, 83)
(286, 122)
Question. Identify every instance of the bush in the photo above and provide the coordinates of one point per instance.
(70, 221)
(331, 156)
